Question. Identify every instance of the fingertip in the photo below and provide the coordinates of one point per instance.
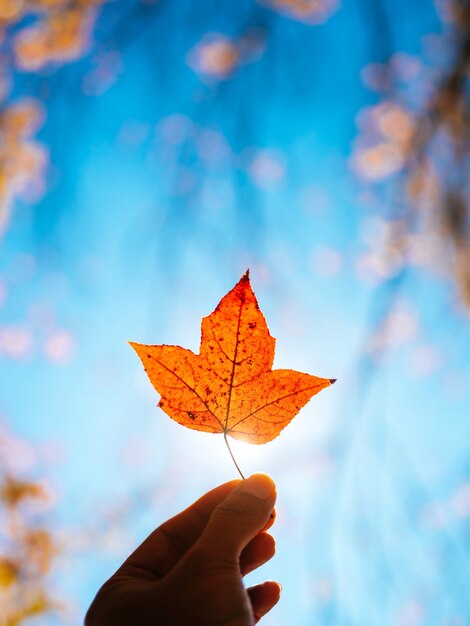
(259, 485)
(279, 587)
(264, 597)
(272, 588)
(270, 521)
(257, 552)
(239, 517)
(268, 589)
(272, 593)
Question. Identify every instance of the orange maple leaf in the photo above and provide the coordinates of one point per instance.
(230, 386)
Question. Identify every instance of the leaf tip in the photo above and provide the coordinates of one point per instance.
(135, 346)
(332, 380)
(246, 275)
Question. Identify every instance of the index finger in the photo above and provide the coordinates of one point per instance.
(166, 545)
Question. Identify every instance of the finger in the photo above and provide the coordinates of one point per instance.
(166, 545)
(238, 519)
(271, 520)
(263, 597)
(257, 552)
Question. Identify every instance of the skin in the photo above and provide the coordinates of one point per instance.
(189, 571)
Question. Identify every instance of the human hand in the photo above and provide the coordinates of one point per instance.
(189, 571)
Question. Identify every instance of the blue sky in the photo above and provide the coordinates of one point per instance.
(139, 236)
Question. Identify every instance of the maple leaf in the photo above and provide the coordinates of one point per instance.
(230, 386)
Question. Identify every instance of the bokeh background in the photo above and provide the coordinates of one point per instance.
(151, 152)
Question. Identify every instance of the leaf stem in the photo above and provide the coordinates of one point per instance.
(231, 454)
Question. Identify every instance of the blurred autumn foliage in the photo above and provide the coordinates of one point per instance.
(59, 32)
(418, 139)
(415, 138)
(22, 159)
(27, 546)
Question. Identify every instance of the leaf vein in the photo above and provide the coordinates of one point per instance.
(188, 386)
(289, 395)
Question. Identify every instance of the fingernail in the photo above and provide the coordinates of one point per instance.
(259, 485)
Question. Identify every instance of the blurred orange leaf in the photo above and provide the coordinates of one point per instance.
(230, 386)
(14, 491)
(8, 571)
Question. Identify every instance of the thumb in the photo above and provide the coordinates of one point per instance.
(239, 517)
